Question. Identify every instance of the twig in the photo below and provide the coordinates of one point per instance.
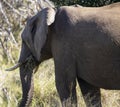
(4, 14)
(16, 11)
(4, 50)
(11, 35)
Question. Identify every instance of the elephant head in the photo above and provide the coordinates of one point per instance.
(35, 42)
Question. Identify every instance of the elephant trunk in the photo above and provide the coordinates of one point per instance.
(26, 75)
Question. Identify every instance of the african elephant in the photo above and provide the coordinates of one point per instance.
(84, 43)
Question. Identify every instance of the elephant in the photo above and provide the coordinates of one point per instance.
(84, 43)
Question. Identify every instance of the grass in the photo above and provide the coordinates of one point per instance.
(45, 94)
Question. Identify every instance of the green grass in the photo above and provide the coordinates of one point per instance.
(45, 94)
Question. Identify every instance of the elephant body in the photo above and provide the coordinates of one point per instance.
(84, 43)
(91, 42)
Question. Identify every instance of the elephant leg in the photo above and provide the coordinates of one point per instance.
(91, 94)
(65, 77)
(67, 92)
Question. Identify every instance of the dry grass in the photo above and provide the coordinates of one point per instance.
(45, 94)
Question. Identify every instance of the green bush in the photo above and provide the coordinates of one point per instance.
(84, 2)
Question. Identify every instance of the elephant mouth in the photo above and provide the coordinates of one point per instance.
(28, 60)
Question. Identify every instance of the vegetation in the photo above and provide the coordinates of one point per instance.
(13, 15)
(84, 2)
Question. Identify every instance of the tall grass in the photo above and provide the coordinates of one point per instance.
(45, 94)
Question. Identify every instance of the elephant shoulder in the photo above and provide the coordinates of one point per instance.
(62, 19)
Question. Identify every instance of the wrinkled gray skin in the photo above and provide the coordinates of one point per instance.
(85, 45)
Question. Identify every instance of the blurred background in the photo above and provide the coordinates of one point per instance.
(13, 16)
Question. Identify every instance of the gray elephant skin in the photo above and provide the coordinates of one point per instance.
(84, 43)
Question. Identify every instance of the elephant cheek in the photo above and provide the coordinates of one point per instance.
(24, 54)
(26, 75)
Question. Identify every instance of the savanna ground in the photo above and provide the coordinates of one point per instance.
(12, 16)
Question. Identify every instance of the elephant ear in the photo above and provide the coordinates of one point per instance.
(37, 29)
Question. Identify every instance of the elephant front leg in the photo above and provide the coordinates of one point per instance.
(67, 92)
(65, 77)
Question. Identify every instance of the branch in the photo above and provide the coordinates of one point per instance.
(16, 11)
(4, 14)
